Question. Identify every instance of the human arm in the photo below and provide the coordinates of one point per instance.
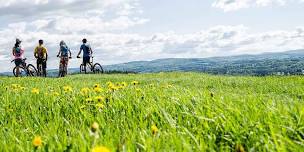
(91, 52)
(78, 55)
(70, 53)
(36, 52)
(46, 54)
(13, 51)
(58, 53)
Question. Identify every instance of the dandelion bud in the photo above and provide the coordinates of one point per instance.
(212, 95)
(239, 148)
(154, 130)
(94, 127)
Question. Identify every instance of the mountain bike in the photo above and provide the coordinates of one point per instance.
(25, 70)
(95, 68)
(63, 67)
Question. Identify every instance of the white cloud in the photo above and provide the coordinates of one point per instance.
(233, 5)
(119, 47)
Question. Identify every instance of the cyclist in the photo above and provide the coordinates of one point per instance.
(41, 55)
(64, 54)
(18, 55)
(87, 53)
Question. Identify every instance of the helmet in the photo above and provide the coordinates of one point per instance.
(18, 41)
(62, 43)
(40, 41)
(84, 40)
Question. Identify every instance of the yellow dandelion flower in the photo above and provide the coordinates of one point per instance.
(135, 82)
(154, 130)
(113, 87)
(35, 91)
(83, 106)
(99, 98)
(98, 89)
(100, 149)
(94, 127)
(169, 86)
(100, 105)
(89, 100)
(85, 91)
(124, 84)
(56, 94)
(109, 83)
(67, 89)
(37, 141)
(15, 86)
(96, 85)
(138, 90)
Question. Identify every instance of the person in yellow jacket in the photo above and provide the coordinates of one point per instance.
(41, 55)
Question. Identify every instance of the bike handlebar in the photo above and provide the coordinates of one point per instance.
(80, 57)
(61, 57)
(22, 60)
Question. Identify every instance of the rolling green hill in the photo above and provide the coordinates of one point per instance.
(291, 62)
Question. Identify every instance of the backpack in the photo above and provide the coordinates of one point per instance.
(40, 52)
(17, 50)
(64, 50)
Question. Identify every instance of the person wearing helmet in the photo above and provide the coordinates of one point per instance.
(41, 55)
(64, 54)
(18, 55)
(87, 52)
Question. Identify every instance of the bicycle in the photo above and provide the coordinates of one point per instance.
(25, 70)
(63, 67)
(95, 68)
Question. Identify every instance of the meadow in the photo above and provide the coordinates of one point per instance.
(152, 112)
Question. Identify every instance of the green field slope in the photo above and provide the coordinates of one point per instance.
(152, 112)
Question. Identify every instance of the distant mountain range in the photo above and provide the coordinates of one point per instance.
(282, 63)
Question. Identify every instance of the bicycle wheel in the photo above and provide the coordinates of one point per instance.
(97, 68)
(86, 69)
(39, 68)
(81, 68)
(31, 71)
(22, 72)
(61, 71)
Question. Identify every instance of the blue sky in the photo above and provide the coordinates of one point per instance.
(194, 15)
(128, 30)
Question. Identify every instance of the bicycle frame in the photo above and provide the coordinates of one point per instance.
(23, 64)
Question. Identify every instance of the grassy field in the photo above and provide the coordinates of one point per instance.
(152, 112)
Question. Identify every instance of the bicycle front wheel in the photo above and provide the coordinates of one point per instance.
(31, 71)
(22, 72)
(97, 68)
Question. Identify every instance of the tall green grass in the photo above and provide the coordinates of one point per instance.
(192, 112)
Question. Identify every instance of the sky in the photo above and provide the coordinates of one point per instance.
(131, 30)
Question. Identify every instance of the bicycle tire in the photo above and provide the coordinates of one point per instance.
(21, 71)
(97, 69)
(81, 68)
(31, 70)
(39, 70)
